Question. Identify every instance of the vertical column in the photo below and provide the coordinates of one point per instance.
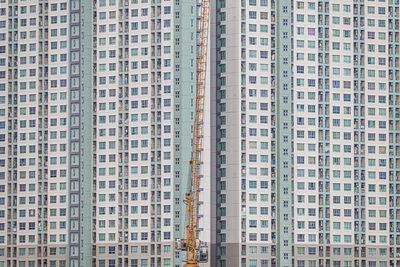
(322, 8)
(284, 139)
(359, 133)
(374, 59)
(230, 131)
(27, 163)
(43, 137)
(220, 133)
(157, 168)
(75, 132)
(122, 106)
(86, 123)
(274, 116)
(8, 63)
(96, 143)
(11, 76)
(213, 134)
(394, 131)
(80, 146)
(163, 94)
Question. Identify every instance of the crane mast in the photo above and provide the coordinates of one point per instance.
(195, 249)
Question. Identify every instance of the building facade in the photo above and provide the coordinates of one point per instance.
(97, 102)
(306, 139)
(301, 157)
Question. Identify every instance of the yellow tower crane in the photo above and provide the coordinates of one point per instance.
(197, 250)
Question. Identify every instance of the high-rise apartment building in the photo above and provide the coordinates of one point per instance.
(307, 133)
(96, 114)
(301, 157)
